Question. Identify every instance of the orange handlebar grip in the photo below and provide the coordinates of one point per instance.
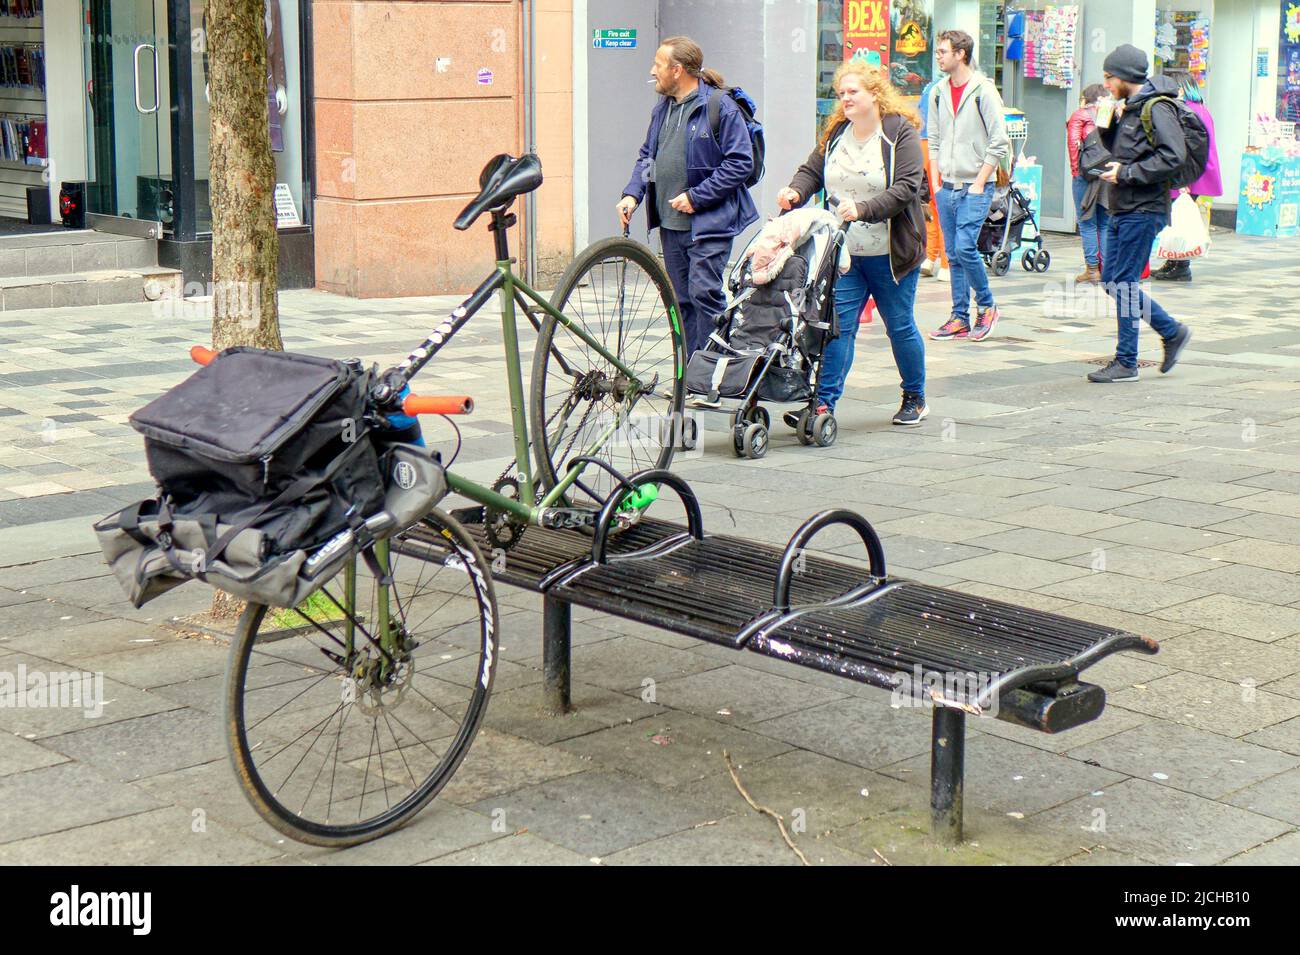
(438, 404)
(202, 355)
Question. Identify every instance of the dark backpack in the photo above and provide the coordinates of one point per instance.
(748, 110)
(1196, 137)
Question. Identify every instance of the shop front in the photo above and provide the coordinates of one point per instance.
(107, 124)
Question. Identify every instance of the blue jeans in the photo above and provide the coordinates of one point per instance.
(1125, 251)
(960, 216)
(695, 269)
(869, 275)
(1090, 230)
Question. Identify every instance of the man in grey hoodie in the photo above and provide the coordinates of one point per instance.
(967, 133)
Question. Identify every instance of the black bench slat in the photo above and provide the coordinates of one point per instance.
(713, 589)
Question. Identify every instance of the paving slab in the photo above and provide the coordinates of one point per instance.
(672, 748)
(1228, 657)
(27, 809)
(1278, 797)
(169, 836)
(598, 813)
(146, 745)
(1245, 618)
(1162, 824)
(747, 696)
(1185, 758)
(1214, 705)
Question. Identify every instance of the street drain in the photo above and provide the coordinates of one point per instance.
(1142, 362)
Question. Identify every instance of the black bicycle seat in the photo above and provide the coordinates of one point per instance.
(502, 179)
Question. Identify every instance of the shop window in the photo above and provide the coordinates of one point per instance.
(284, 108)
(898, 35)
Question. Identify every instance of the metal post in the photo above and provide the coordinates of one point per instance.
(556, 641)
(947, 767)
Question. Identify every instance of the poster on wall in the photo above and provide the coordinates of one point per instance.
(912, 57)
(1288, 63)
(866, 31)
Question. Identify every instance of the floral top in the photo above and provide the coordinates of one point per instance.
(856, 170)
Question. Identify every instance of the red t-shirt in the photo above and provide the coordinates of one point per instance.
(956, 94)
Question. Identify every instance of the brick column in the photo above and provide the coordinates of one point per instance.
(400, 139)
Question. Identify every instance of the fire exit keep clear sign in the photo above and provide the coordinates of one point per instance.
(613, 39)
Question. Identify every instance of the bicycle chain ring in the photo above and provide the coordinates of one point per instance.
(503, 529)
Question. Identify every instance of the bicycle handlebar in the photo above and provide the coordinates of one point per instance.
(437, 404)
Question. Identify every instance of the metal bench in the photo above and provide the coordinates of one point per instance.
(1014, 663)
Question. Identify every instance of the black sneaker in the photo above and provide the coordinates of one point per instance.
(1180, 271)
(791, 418)
(1173, 346)
(913, 410)
(1114, 372)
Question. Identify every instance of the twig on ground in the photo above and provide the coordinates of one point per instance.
(880, 857)
(780, 822)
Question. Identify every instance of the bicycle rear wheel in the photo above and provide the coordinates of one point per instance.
(335, 741)
(620, 295)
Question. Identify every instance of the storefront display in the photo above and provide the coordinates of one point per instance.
(1288, 63)
(1182, 45)
(1268, 203)
(897, 35)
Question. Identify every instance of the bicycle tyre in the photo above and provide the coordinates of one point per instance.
(258, 647)
(578, 295)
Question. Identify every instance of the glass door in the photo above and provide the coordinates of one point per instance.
(128, 117)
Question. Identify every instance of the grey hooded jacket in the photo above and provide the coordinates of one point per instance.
(962, 142)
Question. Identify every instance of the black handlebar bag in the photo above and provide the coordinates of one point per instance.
(260, 457)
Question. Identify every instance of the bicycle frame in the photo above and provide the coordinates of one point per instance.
(510, 287)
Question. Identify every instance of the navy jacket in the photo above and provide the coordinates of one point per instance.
(715, 171)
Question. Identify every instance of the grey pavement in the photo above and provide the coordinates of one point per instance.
(1170, 507)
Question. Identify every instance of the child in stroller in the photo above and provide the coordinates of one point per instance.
(769, 341)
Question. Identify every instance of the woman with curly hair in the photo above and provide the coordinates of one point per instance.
(868, 160)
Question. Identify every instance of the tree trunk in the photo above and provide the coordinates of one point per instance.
(245, 246)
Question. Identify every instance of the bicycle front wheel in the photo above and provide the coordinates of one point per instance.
(619, 294)
(338, 736)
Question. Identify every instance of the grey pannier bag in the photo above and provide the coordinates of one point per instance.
(151, 550)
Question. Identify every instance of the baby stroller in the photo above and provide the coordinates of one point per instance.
(769, 342)
(1003, 229)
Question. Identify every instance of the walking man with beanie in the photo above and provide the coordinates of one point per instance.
(967, 136)
(1136, 194)
(695, 182)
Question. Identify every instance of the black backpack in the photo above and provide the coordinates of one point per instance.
(1195, 136)
(748, 110)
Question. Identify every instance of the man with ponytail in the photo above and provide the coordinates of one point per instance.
(694, 181)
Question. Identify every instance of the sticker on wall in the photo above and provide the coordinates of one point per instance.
(485, 77)
(442, 64)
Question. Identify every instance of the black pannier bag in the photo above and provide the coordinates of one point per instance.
(261, 458)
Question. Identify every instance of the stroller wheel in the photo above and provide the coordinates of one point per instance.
(1042, 260)
(738, 439)
(804, 427)
(758, 415)
(1001, 263)
(824, 430)
(755, 441)
(1027, 260)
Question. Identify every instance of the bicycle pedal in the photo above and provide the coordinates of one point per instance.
(567, 518)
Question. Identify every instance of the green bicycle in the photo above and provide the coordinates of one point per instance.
(349, 713)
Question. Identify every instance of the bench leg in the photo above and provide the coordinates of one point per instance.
(947, 767)
(556, 639)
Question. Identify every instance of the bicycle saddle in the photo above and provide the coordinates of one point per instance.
(501, 180)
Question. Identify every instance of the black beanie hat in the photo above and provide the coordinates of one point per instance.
(1126, 62)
